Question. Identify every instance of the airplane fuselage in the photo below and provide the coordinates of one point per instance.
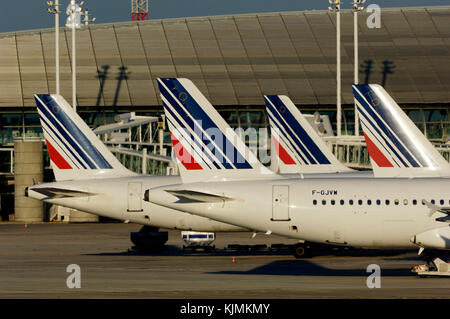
(372, 212)
(122, 199)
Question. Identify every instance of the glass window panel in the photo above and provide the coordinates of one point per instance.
(435, 115)
(32, 119)
(251, 117)
(415, 115)
(10, 119)
(33, 132)
(230, 117)
(434, 130)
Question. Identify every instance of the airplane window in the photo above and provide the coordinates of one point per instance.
(359, 202)
(405, 202)
(387, 201)
(369, 202)
(441, 201)
(432, 201)
(396, 202)
(414, 201)
(342, 202)
(350, 201)
(423, 201)
(333, 202)
(314, 202)
(378, 202)
(324, 202)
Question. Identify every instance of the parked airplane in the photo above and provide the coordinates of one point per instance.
(90, 178)
(359, 212)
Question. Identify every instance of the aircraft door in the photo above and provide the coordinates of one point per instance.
(280, 203)
(134, 197)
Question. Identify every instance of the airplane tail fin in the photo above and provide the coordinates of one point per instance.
(207, 148)
(298, 147)
(397, 148)
(75, 151)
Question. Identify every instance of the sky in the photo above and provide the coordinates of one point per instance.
(32, 14)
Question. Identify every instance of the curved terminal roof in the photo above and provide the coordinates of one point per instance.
(235, 59)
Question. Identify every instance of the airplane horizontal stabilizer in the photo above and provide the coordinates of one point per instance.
(53, 193)
(194, 196)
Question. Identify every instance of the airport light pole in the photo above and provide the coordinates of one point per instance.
(74, 22)
(356, 8)
(54, 9)
(336, 7)
(74, 12)
(86, 19)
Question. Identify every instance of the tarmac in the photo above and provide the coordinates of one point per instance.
(34, 261)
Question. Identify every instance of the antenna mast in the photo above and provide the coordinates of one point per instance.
(139, 10)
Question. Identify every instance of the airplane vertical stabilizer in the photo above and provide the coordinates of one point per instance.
(75, 151)
(397, 148)
(296, 146)
(207, 148)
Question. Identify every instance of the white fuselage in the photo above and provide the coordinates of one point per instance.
(311, 208)
(111, 198)
(122, 199)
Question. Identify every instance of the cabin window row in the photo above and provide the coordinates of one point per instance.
(378, 202)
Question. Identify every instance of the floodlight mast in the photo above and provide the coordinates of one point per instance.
(74, 11)
(54, 9)
(356, 8)
(336, 7)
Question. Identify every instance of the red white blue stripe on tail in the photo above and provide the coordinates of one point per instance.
(206, 142)
(72, 146)
(299, 147)
(396, 146)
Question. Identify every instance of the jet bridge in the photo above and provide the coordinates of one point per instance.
(138, 142)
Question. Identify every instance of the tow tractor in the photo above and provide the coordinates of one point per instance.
(438, 238)
(195, 240)
(434, 267)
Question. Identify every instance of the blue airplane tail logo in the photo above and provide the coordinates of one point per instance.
(292, 134)
(68, 146)
(210, 146)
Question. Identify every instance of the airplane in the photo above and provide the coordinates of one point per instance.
(370, 212)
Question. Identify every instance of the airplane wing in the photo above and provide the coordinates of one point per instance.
(188, 196)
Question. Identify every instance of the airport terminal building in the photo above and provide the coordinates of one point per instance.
(234, 60)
